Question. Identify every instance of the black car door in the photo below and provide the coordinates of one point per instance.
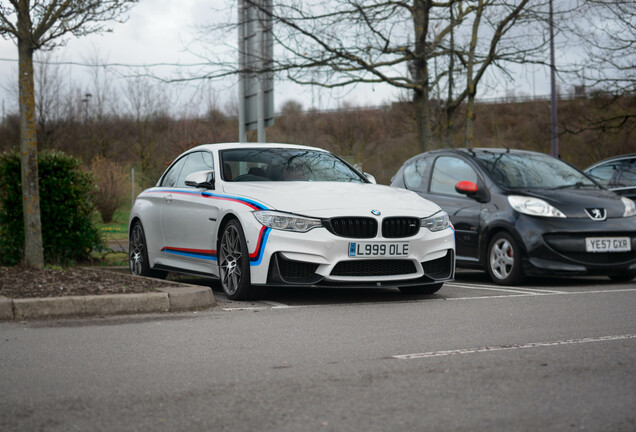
(464, 212)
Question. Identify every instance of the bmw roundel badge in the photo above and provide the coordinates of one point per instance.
(375, 212)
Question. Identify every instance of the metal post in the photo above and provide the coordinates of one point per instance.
(241, 54)
(132, 181)
(260, 96)
(553, 94)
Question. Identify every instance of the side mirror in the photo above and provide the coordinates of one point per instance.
(471, 190)
(201, 179)
(370, 178)
(467, 188)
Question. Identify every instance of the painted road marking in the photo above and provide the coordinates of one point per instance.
(500, 288)
(276, 305)
(270, 305)
(247, 308)
(512, 347)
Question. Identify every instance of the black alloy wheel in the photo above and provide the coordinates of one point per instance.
(234, 263)
(138, 253)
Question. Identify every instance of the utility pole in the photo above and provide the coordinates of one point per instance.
(553, 95)
(256, 81)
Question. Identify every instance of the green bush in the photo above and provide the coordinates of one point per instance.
(66, 209)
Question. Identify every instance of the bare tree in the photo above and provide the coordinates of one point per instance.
(34, 25)
(49, 87)
(605, 32)
(342, 43)
(500, 34)
(146, 102)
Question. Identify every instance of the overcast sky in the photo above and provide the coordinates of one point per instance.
(158, 31)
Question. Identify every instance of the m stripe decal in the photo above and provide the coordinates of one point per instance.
(194, 253)
(255, 257)
(209, 195)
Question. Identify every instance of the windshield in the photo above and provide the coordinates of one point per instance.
(280, 164)
(531, 170)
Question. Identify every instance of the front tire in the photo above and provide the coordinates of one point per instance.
(138, 253)
(504, 260)
(234, 263)
(422, 289)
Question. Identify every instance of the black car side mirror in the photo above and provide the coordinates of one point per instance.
(471, 190)
(201, 179)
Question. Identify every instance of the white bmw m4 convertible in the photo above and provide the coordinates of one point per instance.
(255, 214)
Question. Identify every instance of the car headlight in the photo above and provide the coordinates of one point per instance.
(437, 222)
(630, 207)
(286, 221)
(534, 206)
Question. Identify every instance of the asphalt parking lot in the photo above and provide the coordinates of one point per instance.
(552, 355)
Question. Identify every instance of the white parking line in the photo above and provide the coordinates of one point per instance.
(530, 294)
(276, 305)
(511, 347)
(269, 305)
(495, 288)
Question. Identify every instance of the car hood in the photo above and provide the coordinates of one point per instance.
(326, 199)
(578, 203)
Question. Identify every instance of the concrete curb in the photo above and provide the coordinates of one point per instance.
(181, 297)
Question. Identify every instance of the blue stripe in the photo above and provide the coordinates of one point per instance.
(261, 252)
(213, 195)
(191, 255)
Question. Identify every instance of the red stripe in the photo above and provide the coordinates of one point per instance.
(232, 199)
(259, 244)
(207, 251)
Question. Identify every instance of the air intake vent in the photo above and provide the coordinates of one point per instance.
(353, 227)
(440, 268)
(374, 268)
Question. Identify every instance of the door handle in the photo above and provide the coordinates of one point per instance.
(168, 198)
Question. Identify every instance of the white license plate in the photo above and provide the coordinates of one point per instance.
(608, 244)
(371, 249)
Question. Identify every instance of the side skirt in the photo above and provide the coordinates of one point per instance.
(184, 271)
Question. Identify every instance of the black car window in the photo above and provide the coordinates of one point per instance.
(172, 175)
(285, 164)
(414, 174)
(628, 173)
(197, 161)
(522, 170)
(447, 172)
(603, 173)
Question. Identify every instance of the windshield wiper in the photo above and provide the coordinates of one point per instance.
(577, 185)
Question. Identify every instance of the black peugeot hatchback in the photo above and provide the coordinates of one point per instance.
(519, 213)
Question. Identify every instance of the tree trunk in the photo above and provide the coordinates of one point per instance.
(422, 109)
(471, 89)
(33, 250)
(421, 102)
(470, 120)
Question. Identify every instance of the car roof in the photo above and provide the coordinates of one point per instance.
(472, 151)
(233, 145)
(612, 159)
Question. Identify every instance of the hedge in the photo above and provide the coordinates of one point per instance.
(66, 210)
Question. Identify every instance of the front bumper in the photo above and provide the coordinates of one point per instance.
(557, 247)
(320, 258)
